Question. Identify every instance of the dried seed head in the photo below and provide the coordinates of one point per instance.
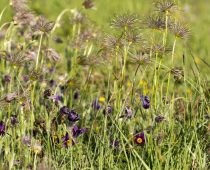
(155, 22)
(78, 17)
(164, 6)
(19, 5)
(24, 18)
(158, 49)
(179, 30)
(88, 4)
(178, 73)
(140, 57)
(112, 42)
(133, 37)
(52, 55)
(125, 21)
(42, 25)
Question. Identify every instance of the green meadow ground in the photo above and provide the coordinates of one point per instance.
(102, 88)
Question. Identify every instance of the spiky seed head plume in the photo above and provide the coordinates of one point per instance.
(154, 22)
(164, 6)
(125, 21)
(179, 30)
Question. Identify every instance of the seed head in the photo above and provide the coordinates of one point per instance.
(42, 25)
(52, 55)
(154, 22)
(164, 6)
(125, 21)
(179, 30)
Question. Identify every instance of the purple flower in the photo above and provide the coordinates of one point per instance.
(114, 144)
(159, 118)
(64, 110)
(139, 139)
(108, 110)
(67, 141)
(57, 98)
(77, 132)
(7, 78)
(73, 116)
(96, 105)
(145, 101)
(2, 128)
(76, 95)
(13, 120)
(52, 83)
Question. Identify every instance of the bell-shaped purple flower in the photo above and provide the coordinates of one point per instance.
(2, 128)
(96, 105)
(77, 132)
(145, 101)
(73, 116)
(67, 141)
(139, 139)
(65, 110)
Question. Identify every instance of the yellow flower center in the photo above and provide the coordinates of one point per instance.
(68, 142)
(139, 140)
(101, 99)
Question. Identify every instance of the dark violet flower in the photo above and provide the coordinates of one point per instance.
(76, 95)
(159, 118)
(96, 105)
(145, 101)
(139, 139)
(13, 120)
(64, 110)
(57, 98)
(108, 110)
(67, 141)
(73, 116)
(52, 83)
(77, 132)
(2, 128)
(47, 93)
(114, 144)
(7, 78)
(128, 112)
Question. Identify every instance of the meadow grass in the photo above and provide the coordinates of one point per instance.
(122, 86)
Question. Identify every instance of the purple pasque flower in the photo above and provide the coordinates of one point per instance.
(76, 95)
(96, 105)
(76, 132)
(65, 110)
(139, 139)
(114, 144)
(145, 101)
(73, 116)
(67, 141)
(56, 98)
(2, 128)
(108, 110)
(13, 120)
(159, 118)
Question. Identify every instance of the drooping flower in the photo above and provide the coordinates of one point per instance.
(108, 110)
(67, 141)
(73, 116)
(139, 139)
(145, 101)
(76, 95)
(159, 118)
(114, 144)
(96, 105)
(13, 120)
(64, 110)
(77, 132)
(2, 128)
